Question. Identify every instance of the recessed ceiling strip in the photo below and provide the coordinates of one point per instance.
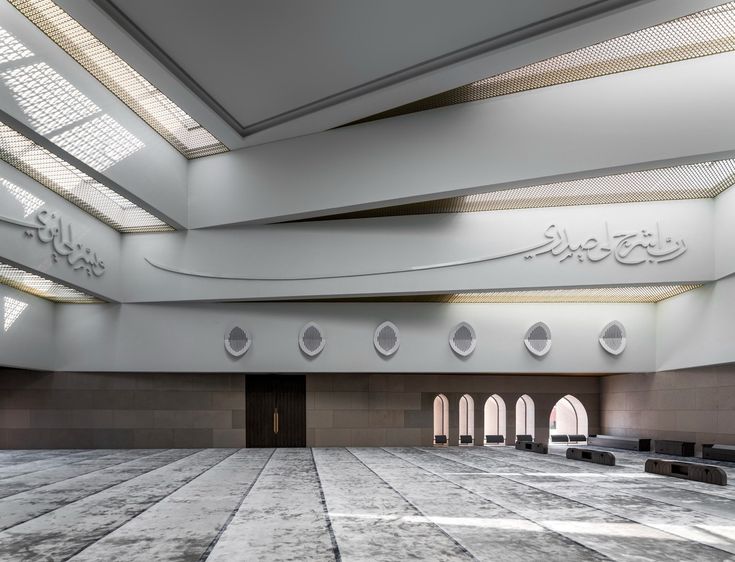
(163, 115)
(74, 185)
(41, 286)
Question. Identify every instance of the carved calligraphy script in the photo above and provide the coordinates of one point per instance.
(50, 228)
(628, 247)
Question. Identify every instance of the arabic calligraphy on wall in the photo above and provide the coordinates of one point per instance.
(50, 228)
(629, 247)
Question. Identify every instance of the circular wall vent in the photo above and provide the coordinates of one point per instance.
(538, 339)
(612, 338)
(387, 338)
(311, 339)
(462, 339)
(237, 341)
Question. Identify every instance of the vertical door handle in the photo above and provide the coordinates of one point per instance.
(275, 421)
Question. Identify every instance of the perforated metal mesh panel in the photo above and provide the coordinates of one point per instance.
(74, 185)
(41, 286)
(163, 115)
(690, 181)
(311, 339)
(621, 293)
(462, 339)
(237, 341)
(538, 339)
(612, 338)
(700, 34)
(387, 338)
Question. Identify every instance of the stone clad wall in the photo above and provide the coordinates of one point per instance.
(121, 410)
(397, 410)
(691, 405)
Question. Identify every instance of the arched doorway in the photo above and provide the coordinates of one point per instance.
(441, 419)
(494, 418)
(568, 417)
(466, 420)
(525, 416)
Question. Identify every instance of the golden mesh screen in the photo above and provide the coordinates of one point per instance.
(690, 181)
(74, 185)
(163, 115)
(41, 286)
(708, 32)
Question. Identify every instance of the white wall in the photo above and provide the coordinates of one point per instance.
(138, 337)
(29, 342)
(380, 244)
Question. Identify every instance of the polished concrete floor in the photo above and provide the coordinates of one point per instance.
(353, 504)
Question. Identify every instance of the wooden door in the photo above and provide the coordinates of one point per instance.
(275, 410)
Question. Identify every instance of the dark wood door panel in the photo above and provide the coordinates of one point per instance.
(270, 394)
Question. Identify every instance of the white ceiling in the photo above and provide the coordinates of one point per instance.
(262, 63)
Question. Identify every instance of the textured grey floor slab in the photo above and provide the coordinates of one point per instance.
(283, 516)
(183, 525)
(484, 503)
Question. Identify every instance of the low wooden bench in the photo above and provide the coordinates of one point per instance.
(524, 438)
(669, 447)
(440, 440)
(541, 448)
(719, 452)
(494, 439)
(590, 455)
(465, 439)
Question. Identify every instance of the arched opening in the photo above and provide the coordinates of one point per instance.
(466, 420)
(568, 417)
(494, 420)
(441, 419)
(525, 416)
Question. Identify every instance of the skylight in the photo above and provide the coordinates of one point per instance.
(99, 143)
(162, 114)
(74, 185)
(41, 286)
(12, 309)
(690, 181)
(49, 101)
(11, 49)
(614, 294)
(704, 33)
(30, 202)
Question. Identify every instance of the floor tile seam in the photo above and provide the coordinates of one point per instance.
(417, 510)
(117, 464)
(485, 498)
(600, 509)
(98, 491)
(325, 509)
(150, 505)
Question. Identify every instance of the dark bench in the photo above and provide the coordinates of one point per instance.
(614, 442)
(590, 455)
(560, 439)
(719, 452)
(465, 439)
(668, 447)
(541, 448)
(440, 439)
(688, 471)
(494, 439)
(524, 438)
(577, 438)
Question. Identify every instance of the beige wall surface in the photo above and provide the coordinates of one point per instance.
(397, 410)
(691, 405)
(121, 410)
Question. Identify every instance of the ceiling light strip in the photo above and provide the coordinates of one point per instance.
(689, 181)
(74, 185)
(163, 115)
(704, 33)
(41, 286)
(612, 294)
